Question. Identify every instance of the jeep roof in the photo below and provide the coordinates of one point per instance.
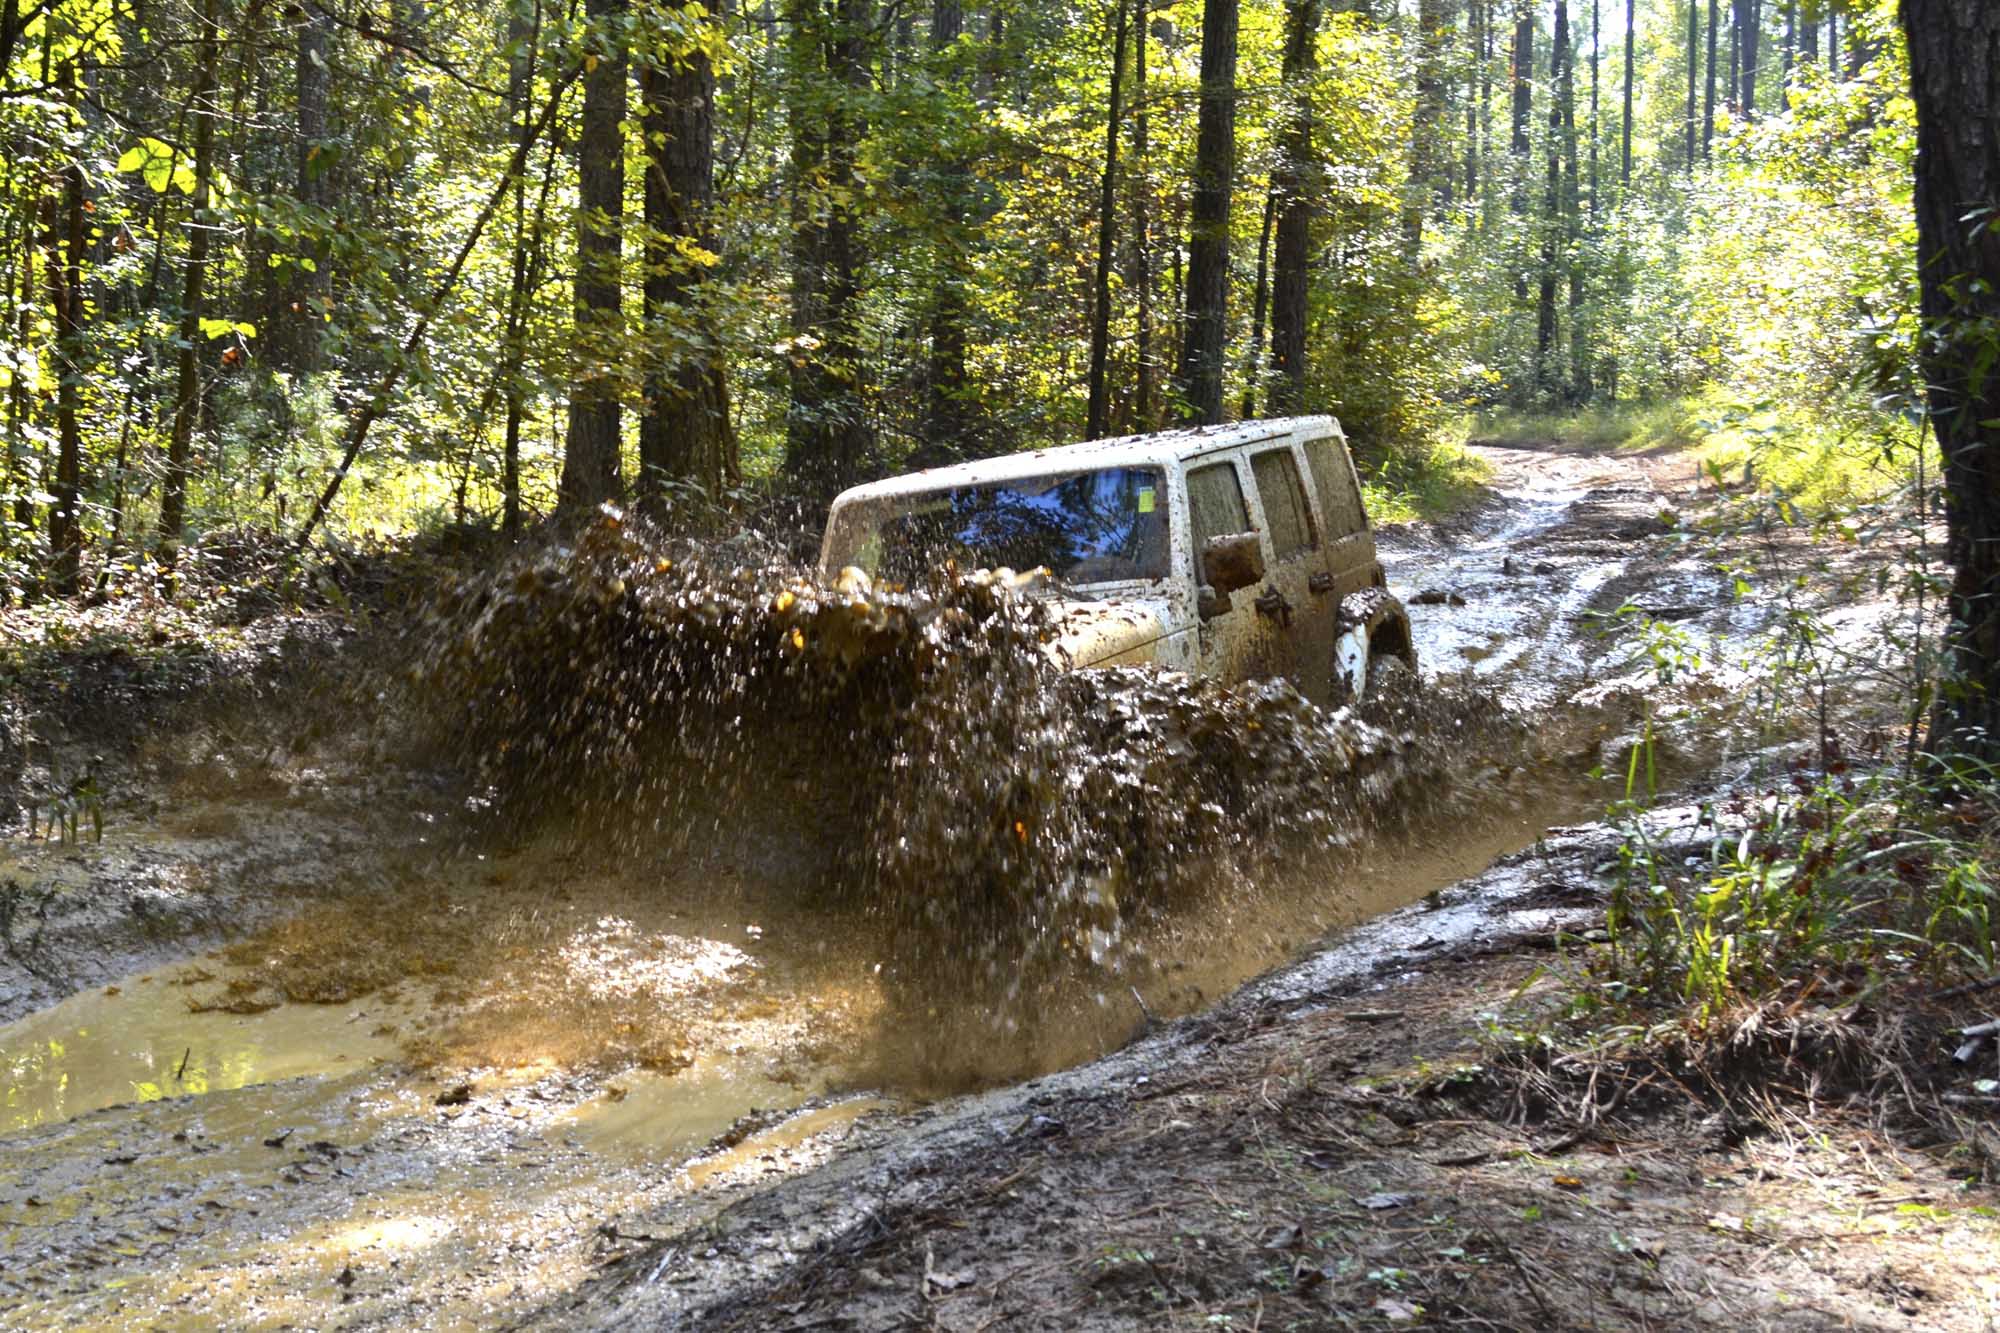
(1122, 451)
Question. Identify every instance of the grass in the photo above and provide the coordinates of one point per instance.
(1624, 427)
(1432, 482)
(1821, 462)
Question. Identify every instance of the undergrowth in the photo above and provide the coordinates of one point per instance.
(1426, 483)
(1822, 461)
(1847, 880)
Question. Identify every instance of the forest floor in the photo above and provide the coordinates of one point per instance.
(465, 1083)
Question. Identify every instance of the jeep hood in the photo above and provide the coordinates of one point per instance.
(1125, 632)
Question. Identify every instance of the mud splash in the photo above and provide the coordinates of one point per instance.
(1000, 820)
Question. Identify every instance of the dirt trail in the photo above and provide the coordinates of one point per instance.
(350, 1192)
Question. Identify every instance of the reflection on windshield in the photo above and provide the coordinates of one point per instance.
(1089, 527)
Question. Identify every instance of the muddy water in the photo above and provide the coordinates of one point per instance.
(138, 1042)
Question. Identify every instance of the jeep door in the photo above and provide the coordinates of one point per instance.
(1350, 547)
(1295, 600)
(1235, 644)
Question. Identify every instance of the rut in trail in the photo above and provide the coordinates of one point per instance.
(1004, 820)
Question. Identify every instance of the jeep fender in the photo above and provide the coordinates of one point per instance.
(1370, 623)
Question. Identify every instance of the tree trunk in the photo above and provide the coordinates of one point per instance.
(1294, 189)
(1751, 26)
(187, 395)
(1791, 47)
(806, 412)
(17, 389)
(1732, 88)
(1475, 16)
(1694, 74)
(1207, 328)
(590, 470)
(1579, 350)
(1625, 150)
(1098, 423)
(1523, 77)
(1253, 364)
(1596, 36)
(1955, 81)
(829, 433)
(525, 40)
(1146, 389)
(946, 383)
(1708, 99)
(1553, 223)
(684, 434)
(64, 271)
(1426, 127)
(294, 341)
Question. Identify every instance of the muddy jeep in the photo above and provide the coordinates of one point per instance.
(1235, 552)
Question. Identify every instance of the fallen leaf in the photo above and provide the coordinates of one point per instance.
(1398, 1312)
(964, 1277)
(1379, 1202)
(1284, 1238)
(1568, 1183)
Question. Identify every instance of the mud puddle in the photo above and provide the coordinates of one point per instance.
(137, 1041)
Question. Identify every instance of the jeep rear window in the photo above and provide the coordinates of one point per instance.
(1105, 526)
(1285, 507)
(1334, 480)
(1215, 504)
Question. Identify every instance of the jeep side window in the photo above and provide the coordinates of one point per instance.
(1334, 481)
(1215, 506)
(1285, 505)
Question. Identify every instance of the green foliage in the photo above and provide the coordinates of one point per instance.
(1425, 482)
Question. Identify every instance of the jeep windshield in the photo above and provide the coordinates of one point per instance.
(1107, 526)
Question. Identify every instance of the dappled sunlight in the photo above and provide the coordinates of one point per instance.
(614, 960)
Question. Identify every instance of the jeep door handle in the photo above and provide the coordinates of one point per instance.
(1320, 583)
(1272, 603)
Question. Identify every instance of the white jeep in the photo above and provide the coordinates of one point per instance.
(1235, 552)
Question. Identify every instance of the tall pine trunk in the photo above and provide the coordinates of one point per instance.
(1625, 152)
(1426, 127)
(64, 272)
(590, 471)
(1145, 390)
(1955, 81)
(1708, 98)
(187, 392)
(1553, 223)
(1694, 75)
(946, 383)
(829, 434)
(1207, 327)
(1293, 189)
(1750, 24)
(1099, 411)
(1253, 361)
(684, 435)
(294, 343)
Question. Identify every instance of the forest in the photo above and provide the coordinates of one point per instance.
(473, 857)
(273, 266)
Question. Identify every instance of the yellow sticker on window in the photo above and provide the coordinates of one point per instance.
(1146, 500)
